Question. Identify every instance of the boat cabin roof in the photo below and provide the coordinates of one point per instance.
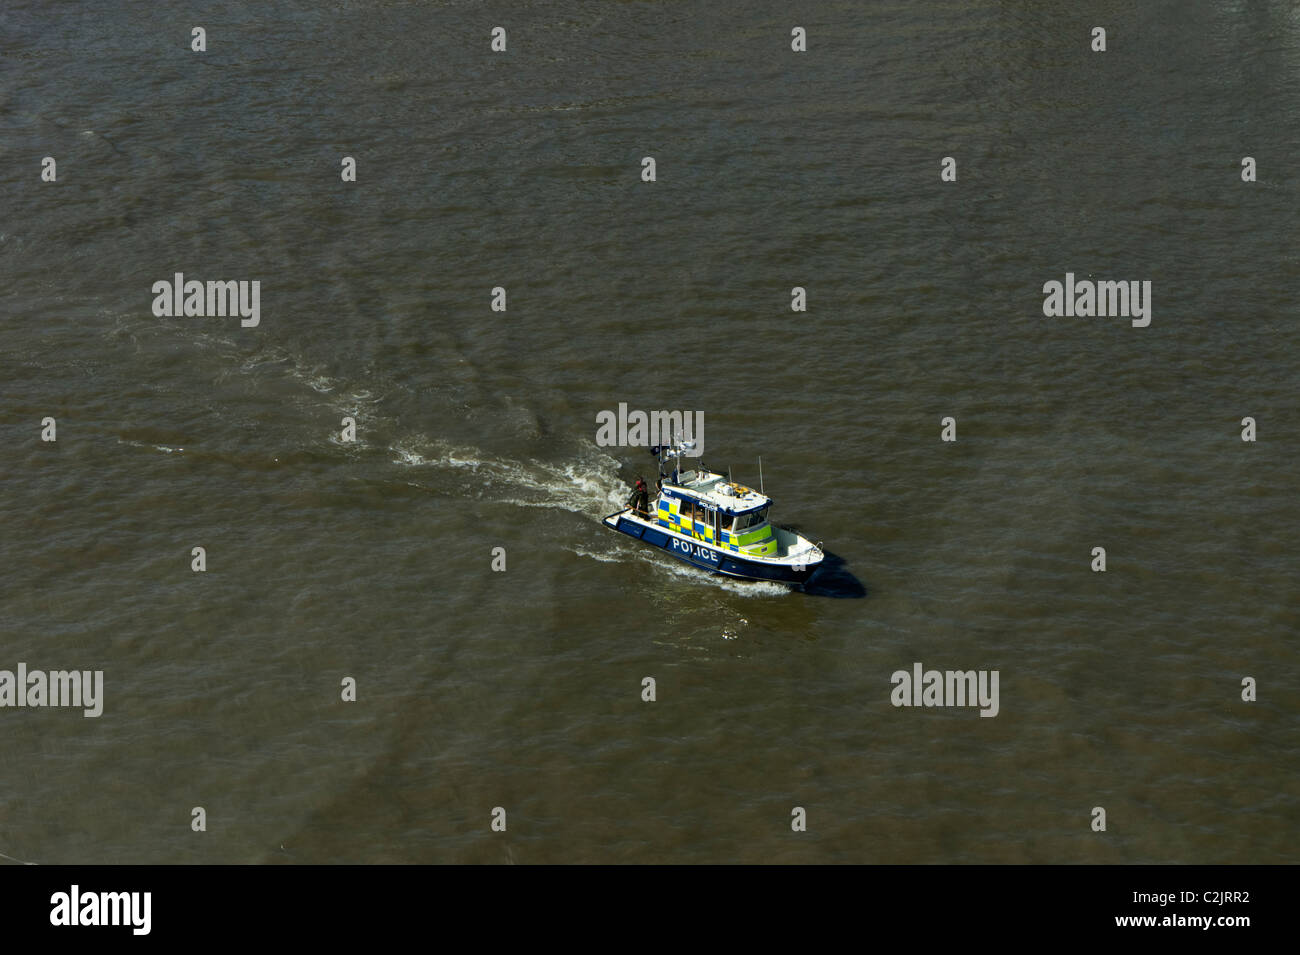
(715, 489)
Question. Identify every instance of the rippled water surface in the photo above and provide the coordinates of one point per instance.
(522, 689)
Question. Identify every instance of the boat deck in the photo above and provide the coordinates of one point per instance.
(718, 490)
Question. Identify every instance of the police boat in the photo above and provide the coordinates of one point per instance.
(708, 520)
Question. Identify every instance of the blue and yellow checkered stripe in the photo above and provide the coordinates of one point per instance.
(761, 541)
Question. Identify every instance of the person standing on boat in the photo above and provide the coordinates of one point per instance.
(640, 497)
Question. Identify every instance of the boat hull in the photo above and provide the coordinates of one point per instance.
(707, 557)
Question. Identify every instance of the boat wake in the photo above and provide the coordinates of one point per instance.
(589, 486)
(677, 571)
(586, 482)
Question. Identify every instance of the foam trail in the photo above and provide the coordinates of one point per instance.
(590, 488)
(665, 565)
(157, 447)
(586, 483)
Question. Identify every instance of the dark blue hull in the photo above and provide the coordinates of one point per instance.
(707, 557)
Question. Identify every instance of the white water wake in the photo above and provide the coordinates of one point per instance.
(587, 483)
